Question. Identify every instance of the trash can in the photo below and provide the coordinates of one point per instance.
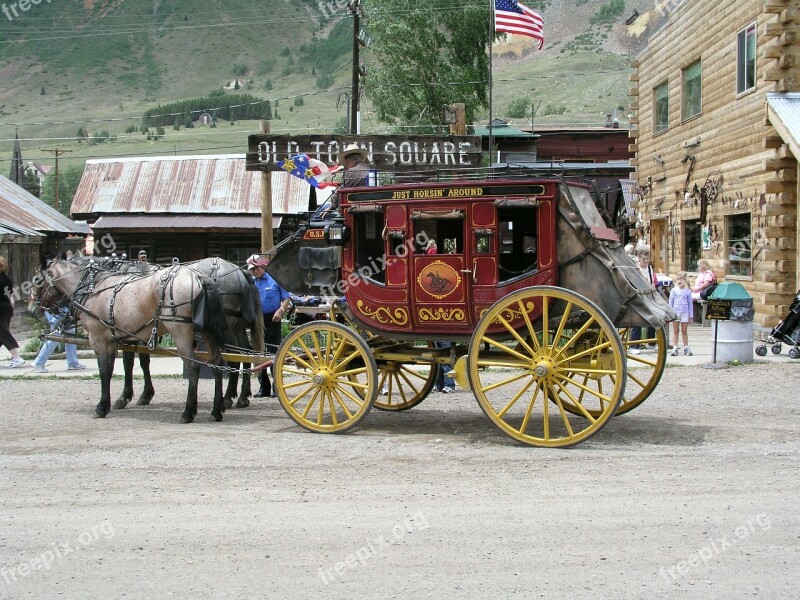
(733, 337)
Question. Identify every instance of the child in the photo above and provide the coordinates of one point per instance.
(680, 299)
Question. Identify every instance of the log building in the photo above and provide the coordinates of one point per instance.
(716, 129)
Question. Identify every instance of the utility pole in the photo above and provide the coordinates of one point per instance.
(56, 152)
(355, 10)
(266, 201)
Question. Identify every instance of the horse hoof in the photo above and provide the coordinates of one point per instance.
(121, 403)
(243, 403)
(98, 415)
(143, 401)
(186, 420)
(229, 403)
(216, 418)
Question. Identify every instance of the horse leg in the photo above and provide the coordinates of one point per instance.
(219, 403)
(127, 388)
(193, 372)
(148, 392)
(243, 401)
(233, 384)
(105, 364)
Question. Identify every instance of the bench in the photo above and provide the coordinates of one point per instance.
(700, 308)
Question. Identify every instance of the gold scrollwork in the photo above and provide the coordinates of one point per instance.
(395, 316)
(510, 315)
(441, 314)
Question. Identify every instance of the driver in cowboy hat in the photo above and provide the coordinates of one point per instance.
(354, 160)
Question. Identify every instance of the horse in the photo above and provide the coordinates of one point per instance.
(242, 305)
(138, 307)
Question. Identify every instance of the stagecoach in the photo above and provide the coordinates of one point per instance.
(531, 293)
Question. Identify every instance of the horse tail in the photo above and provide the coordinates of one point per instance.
(251, 311)
(212, 320)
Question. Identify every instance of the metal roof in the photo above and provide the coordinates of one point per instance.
(21, 209)
(14, 229)
(203, 222)
(185, 185)
(783, 111)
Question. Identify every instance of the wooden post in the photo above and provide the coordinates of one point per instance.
(266, 202)
(460, 126)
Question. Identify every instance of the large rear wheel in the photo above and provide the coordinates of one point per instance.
(325, 377)
(525, 372)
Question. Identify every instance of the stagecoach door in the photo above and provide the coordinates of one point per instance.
(441, 282)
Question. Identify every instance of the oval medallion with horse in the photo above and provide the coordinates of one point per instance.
(439, 279)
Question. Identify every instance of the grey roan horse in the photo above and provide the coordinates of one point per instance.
(116, 307)
(242, 309)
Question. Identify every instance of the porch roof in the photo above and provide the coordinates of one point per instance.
(783, 112)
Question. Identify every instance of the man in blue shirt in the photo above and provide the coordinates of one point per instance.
(274, 304)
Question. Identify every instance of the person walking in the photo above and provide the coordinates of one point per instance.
(49, 346)
(274, 304)
(6, 312)
(680, 300)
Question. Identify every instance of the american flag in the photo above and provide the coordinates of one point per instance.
(511, 16)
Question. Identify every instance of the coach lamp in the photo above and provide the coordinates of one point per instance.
(337, 234)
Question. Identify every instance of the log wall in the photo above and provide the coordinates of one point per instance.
(730, 142)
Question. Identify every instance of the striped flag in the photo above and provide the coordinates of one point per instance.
(514, 17)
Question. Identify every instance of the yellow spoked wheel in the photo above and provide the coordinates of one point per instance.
(645, 366)
(325, 377)
(531, 370)
(402, 385)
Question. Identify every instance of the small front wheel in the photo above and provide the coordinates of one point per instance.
(776, 349)
(325, 377)
(761, 350)
(794, 353)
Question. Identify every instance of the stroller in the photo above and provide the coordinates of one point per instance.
(786, 332)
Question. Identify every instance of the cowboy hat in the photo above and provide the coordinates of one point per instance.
(256, 261)
(351, 149)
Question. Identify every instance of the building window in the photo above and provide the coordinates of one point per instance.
(738, 228)
(746, 59)
(692, 243)
(661, 107)
(692, 91)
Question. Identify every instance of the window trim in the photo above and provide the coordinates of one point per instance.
(684, 96)
(742, 35)
(727, 220)
(665, 85)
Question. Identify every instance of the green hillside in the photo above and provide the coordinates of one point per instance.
(98, 65)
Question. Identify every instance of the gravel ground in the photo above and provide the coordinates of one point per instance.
(692, 495)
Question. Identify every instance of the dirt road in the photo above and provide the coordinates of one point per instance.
(692, 495)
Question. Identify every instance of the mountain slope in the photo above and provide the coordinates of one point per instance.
(98, 64)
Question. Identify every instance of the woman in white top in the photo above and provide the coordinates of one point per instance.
(704, 279)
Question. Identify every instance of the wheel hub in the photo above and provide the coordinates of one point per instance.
(543, 369)
(323, 378)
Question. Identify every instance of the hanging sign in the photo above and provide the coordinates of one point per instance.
(385, 152)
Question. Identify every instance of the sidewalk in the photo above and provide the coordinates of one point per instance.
(699, 341)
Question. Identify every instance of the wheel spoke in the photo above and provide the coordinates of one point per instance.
(561, 324)
(311, 402)
(595, 393)
(342, 403)
(505, 382)
(589, 417)
(516, 397)
(524, 426)
(504, 348)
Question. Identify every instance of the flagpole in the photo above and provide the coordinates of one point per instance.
(491, 42)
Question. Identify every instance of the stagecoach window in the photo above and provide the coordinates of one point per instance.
(483, 243)
(369, 245)
(517, 241)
